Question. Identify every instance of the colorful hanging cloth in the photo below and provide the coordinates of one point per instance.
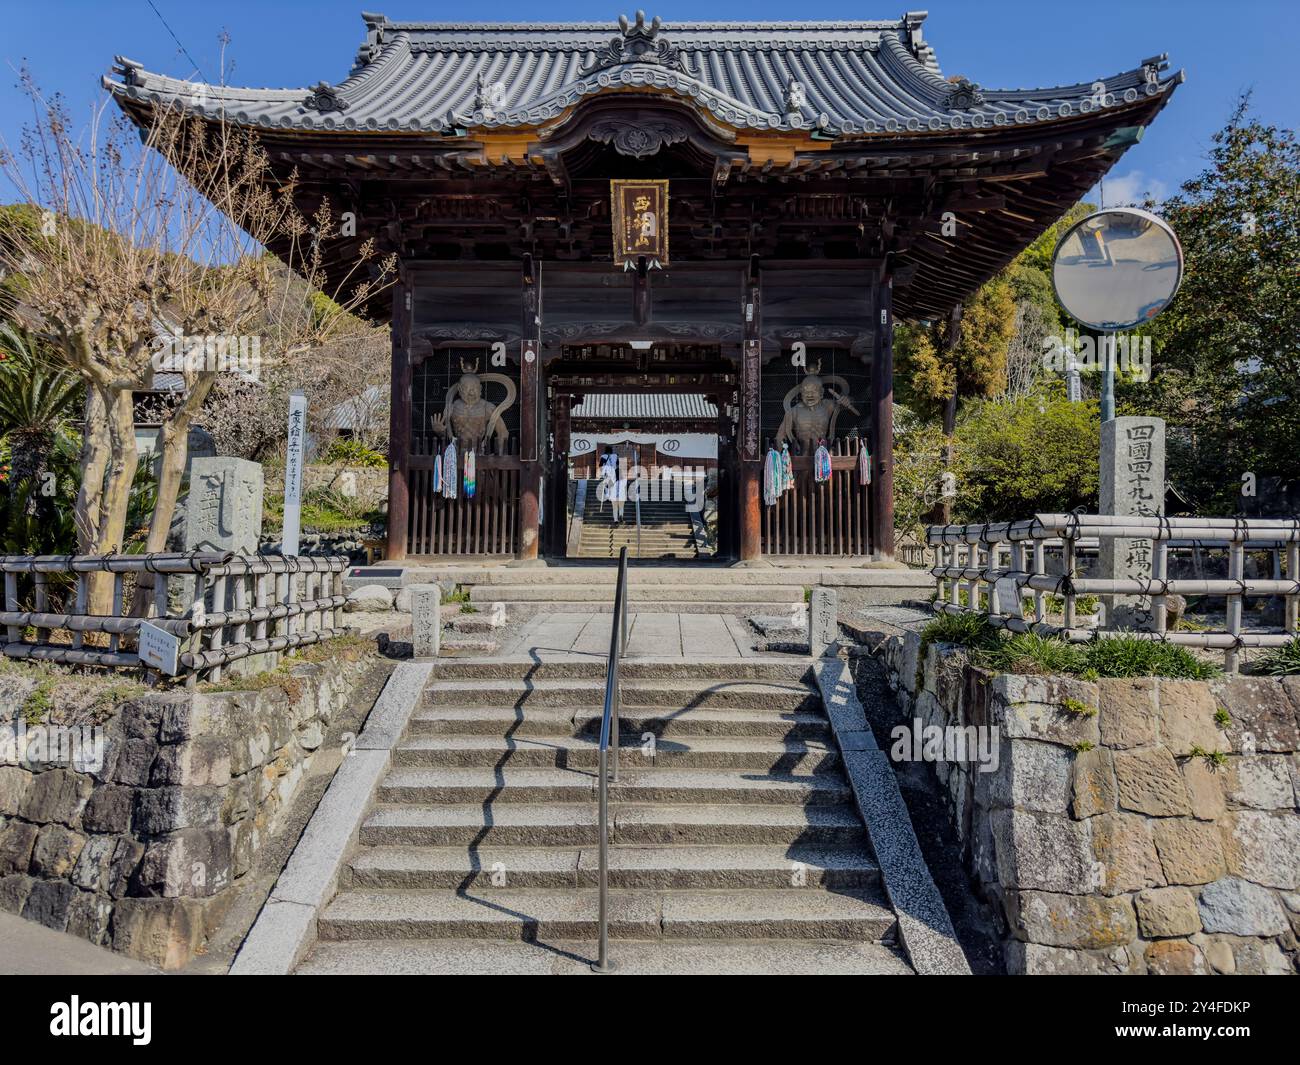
(470, 474)
(787, 469)
(437, 474)
(864, 464)
(772, 474)
(450, 482)
(822, 463)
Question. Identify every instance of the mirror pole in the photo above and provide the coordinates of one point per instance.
(1108, 377)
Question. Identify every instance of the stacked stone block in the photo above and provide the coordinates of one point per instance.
(144, 853)
(1141, 825)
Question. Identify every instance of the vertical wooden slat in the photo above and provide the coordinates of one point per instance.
(261, 599)
(11, 603)
(240, 632)
(1159, 572)
(195, 612)
(42, 603)
(1293, 574)
(218, 634)
(77, 638)
(1236, 570)
(114, 641)
(1039, 568)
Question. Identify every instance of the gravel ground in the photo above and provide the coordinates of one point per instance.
(974, 921)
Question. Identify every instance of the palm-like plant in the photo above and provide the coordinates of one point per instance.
(38, 398)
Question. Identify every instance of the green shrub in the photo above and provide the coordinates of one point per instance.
(1281, 661)
(1027, 652)
(346, 452)
(1128, 656)
(968, 630)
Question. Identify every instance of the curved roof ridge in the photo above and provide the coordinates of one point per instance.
(377, 67)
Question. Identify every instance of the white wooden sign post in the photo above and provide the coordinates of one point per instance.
(293, 472)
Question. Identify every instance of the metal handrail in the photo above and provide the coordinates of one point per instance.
(638, 519)
(608, 731)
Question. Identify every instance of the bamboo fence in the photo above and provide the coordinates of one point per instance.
(235, 606)
(978, 556)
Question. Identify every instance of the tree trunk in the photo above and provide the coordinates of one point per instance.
(119, 405)
(95, 448)
(174, 441)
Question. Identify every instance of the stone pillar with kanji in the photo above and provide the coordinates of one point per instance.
(1132, 484)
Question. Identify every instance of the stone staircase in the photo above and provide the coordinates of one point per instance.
(735, 842)
(665, 529)
(681, 589)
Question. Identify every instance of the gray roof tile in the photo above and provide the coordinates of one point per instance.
(622, 406)
(848, 78)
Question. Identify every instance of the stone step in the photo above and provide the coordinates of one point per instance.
(796, 757)
(592, 667)
(775, 696)
(470, 646)
(641, 868)
(548, 721)
(556, 824)
(661, 957)
(514, 785)
(787, 574)
(478, 624)
(541, 914)
(704, 606)
(637, 594)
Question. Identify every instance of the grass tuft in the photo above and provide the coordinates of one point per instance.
(1282, 661)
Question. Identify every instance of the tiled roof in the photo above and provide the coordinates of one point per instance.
(630, 406)
(845, 78)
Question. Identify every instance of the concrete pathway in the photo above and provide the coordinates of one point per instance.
(30, 949)
(653, 634)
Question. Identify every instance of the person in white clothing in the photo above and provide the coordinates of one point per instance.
(614, 482)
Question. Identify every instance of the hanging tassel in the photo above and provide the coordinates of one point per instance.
(450, 467)
(864, 465)
(772, 486)
(470, 474)
(822, 463)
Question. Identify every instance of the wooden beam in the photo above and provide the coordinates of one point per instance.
(751, 442)
(530, 363)
(399, 423)
(882, 424)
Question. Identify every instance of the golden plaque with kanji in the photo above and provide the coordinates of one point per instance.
(640, 213)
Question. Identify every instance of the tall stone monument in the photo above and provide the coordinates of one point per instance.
(222, 513)
(1132, 484)
(224, 509)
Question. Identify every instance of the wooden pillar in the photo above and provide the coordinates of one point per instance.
(750, 431)
(556, 514)
(530, 368)
(882, 423)
(399, 423)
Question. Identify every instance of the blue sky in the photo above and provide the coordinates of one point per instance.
(1225, 48)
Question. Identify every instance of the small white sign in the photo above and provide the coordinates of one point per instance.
(159, 648)
(1006, 598)
(293, 460)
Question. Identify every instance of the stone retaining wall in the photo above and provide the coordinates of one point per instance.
(1130, 826)
(144, 852)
